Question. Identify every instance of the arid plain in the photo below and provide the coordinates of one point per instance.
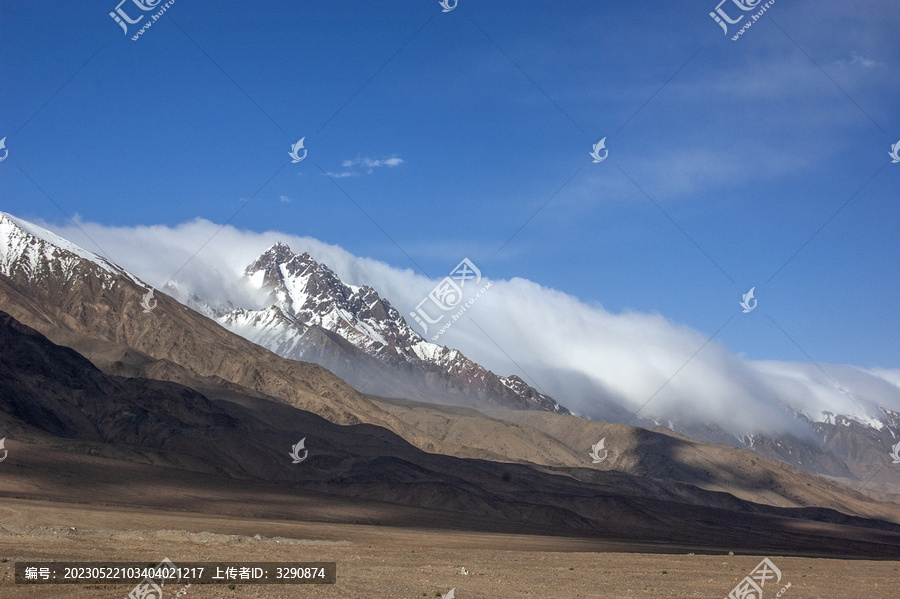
(399, 562)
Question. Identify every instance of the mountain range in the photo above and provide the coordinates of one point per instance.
(310, 314)
(111, 389)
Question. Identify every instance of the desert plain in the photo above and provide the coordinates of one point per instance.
(399, 562)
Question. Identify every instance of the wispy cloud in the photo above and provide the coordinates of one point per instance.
(856, 60)
(367, 166)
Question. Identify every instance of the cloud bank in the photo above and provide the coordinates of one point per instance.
(581, 354)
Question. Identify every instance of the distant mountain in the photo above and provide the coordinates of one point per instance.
(361, 337)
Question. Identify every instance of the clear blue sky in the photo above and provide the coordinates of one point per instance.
(746, 147)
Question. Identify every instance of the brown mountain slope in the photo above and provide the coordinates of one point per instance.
(82, 435)
(92, 309)
(173, 343)
(663, 455)
(564, 441)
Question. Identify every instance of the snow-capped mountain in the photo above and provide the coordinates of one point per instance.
(90, 304)
(311, 315)
(35, 252)
(310, 304)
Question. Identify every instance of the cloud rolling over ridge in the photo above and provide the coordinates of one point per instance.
(582, 355)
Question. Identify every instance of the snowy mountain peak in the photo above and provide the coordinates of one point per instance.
(278, 252)
(308, 293)
(314, 294)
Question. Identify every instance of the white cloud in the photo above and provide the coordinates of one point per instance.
(284, 199)
(857, 61)
(369, 163)
(890, 375)
(580, 353)
(359, 166)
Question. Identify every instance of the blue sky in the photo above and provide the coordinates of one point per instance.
(726, 157)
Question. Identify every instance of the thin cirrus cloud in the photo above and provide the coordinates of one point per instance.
(364, 166)
(582, 354)
(697, 170)
(795, 91)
